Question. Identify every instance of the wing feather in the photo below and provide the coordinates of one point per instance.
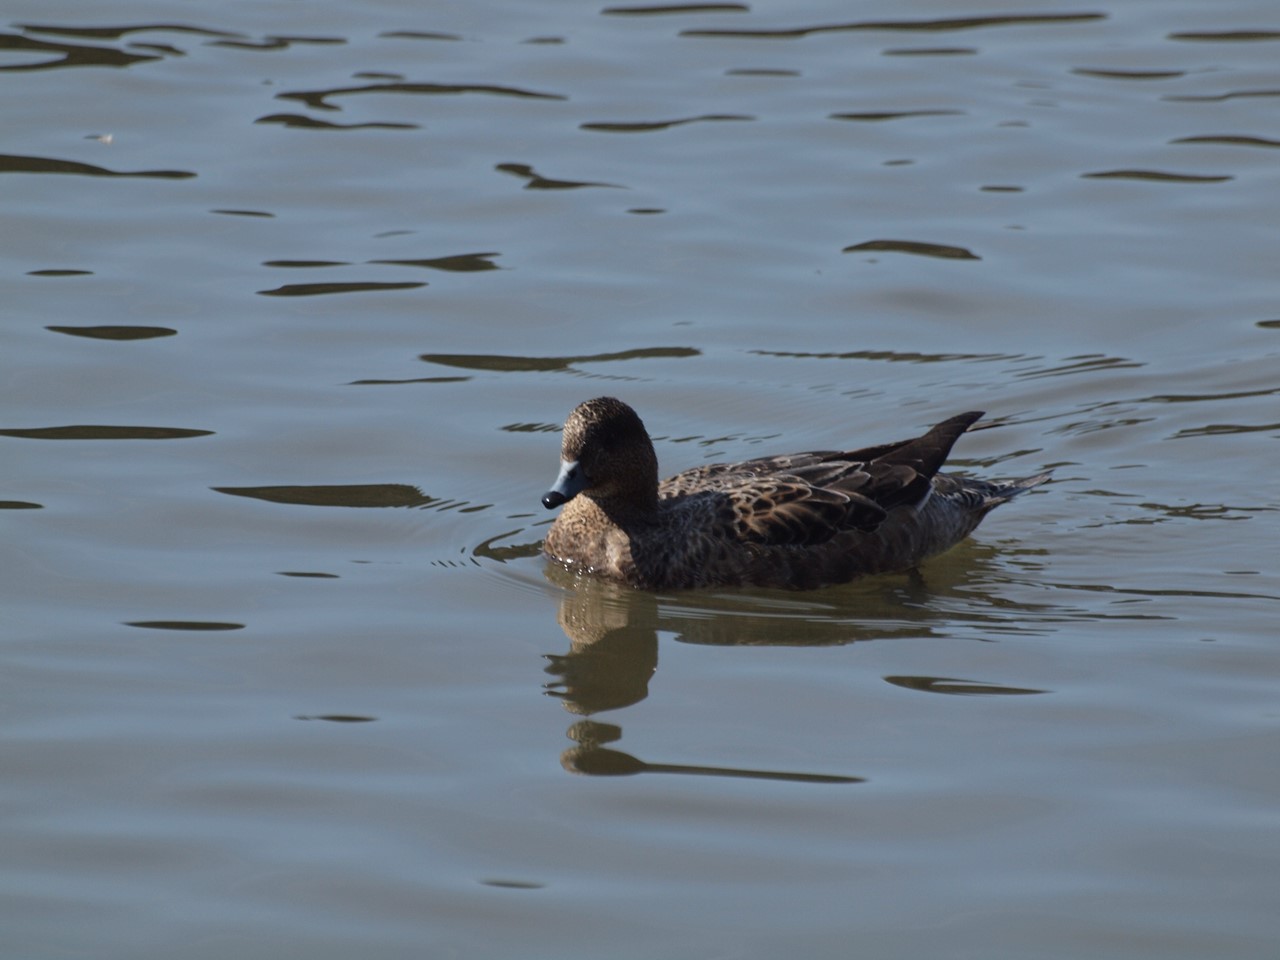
(808, 498)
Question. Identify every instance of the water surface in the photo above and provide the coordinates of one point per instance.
(296, 301)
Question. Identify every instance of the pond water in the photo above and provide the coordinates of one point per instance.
(296, 299)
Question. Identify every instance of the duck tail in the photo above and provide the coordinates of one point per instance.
(927, 453)
(1002, 491)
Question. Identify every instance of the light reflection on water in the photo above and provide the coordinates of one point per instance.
(354, 268)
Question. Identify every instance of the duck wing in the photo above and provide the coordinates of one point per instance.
(808, 498)
(788, 510)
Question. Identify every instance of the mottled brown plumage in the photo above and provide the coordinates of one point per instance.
(800, 520)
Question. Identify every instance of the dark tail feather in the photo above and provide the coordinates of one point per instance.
(917, 461)
(927, 453)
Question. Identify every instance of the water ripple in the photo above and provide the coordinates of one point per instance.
(298, 121)
(1129, 74)
(319, 99)
(1156, 176)
(98, 432)
(382, 383)
(508, 364)
(304, 264)
(1227, 36)
(457, 263)
(930, 26)
(950, 685)
(893, 356)
(418, 35)
(13, 163)
(538, 182)
(277, 43)
(345, 495)
(66, 54)
(676, 8)
(1222, 97)
(762, 72)
(931, 52)
(60, 54)
(321, 289)
(1088, 363)
(1230, 140)
(115, 332)
(606, 127)
(1217, 429)
(877, 116)
(209, 625)
(915, 247)
(115, 33)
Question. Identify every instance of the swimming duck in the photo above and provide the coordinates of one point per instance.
(799, 520)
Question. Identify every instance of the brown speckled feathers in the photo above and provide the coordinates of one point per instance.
(799, 520)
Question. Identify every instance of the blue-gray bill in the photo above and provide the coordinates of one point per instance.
(568, 485)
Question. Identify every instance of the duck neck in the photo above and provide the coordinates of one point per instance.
(628, 511)
(633, 497)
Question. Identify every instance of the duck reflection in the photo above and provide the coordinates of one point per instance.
(613, 653)
(613, 649)
(590, 757)
(613, 640)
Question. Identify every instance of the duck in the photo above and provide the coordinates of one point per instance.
(795, 521)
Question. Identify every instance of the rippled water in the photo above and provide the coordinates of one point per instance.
(297, 297)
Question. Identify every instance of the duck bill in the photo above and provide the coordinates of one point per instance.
(568, 485)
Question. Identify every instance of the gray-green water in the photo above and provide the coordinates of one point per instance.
(295, 299)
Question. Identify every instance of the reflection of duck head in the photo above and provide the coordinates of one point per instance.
(613, 648)
(591, 758)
